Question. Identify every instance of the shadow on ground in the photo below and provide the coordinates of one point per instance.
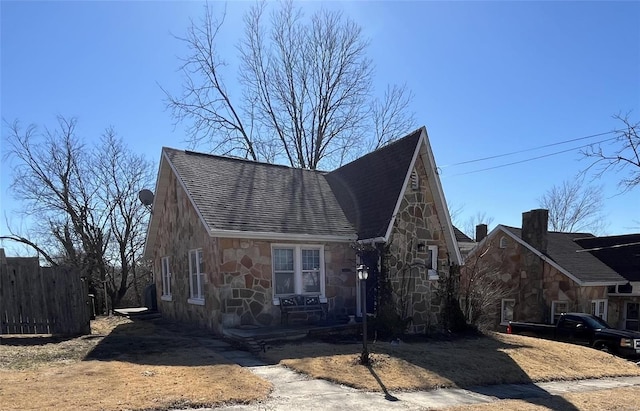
(32, 340)
(159, 342)
(475, 363)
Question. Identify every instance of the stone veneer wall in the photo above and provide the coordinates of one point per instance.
(417, 222)
(510, 264)
(179, 231)
(617, 306)
(246, 292)
(238, 275)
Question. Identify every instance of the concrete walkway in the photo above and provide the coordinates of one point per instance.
(293, 391)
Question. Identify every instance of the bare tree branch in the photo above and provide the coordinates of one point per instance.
(33, 245)
(84, 201)
(574, 207)
(306, 90)
(620, 156)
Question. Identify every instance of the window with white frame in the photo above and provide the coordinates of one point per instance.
(503, 242)
(557, 308)
(599, 308)
(298, 269)
(196, 277)
(166, 279)
(508, 305)
(431, 262)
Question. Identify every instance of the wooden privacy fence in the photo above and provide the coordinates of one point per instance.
(42, 300)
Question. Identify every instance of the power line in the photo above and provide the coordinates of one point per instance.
(529, 159)
(532, 149)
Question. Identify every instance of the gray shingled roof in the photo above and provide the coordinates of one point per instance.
(241, 195)
(584, 266)
(462, 237)
(620, 252)
(369, 187)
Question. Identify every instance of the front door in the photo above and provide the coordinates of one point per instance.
(632, 317)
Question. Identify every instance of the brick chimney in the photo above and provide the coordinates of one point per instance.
(481, 232)
(534, 228)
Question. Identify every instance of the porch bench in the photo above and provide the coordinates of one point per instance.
(301, 303)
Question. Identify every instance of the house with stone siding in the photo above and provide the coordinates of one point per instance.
(542, 273)
(622, 254)
(232, 239)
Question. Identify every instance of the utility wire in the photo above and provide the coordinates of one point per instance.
(530, 159)
(532, 149)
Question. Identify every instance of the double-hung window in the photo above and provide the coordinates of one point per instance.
(166, 279)
(298, 269)
(507, 308)
(196, 277)
(599, 308)
(432, 262)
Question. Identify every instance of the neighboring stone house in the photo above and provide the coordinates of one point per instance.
(622, 254)
(466, 243)
(231, 238)
(543, 274)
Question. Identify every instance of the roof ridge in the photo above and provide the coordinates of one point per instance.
(240, 159)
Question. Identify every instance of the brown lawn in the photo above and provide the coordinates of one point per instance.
(156, 366)
(135, 366)
(494, 359)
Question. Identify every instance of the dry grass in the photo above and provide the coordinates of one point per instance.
(617, 399)
(141, 365)
(495, 359)
(136, 366)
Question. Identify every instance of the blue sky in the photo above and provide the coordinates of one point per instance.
(488, 78)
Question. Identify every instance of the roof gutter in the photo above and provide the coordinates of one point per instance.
(263, 235)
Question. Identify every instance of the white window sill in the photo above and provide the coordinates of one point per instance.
(196, 301)
(433, 275)
(166, 298)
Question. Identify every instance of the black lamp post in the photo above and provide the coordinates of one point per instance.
(363, 274)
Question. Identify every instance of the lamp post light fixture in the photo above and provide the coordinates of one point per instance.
(363, 274)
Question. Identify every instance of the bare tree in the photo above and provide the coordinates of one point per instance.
(574, 207)
(83, 201)
(482, 289)
(306, 90)
(622, 155)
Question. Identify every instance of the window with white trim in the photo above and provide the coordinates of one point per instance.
(506, 310)
(557, 308)
(503, 242)
(431, 261)
(298, 269)
(599, 308)
(166, 279)
(196, 277)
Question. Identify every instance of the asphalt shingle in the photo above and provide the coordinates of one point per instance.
(369, 187)
(241, 195)
(563, 249)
